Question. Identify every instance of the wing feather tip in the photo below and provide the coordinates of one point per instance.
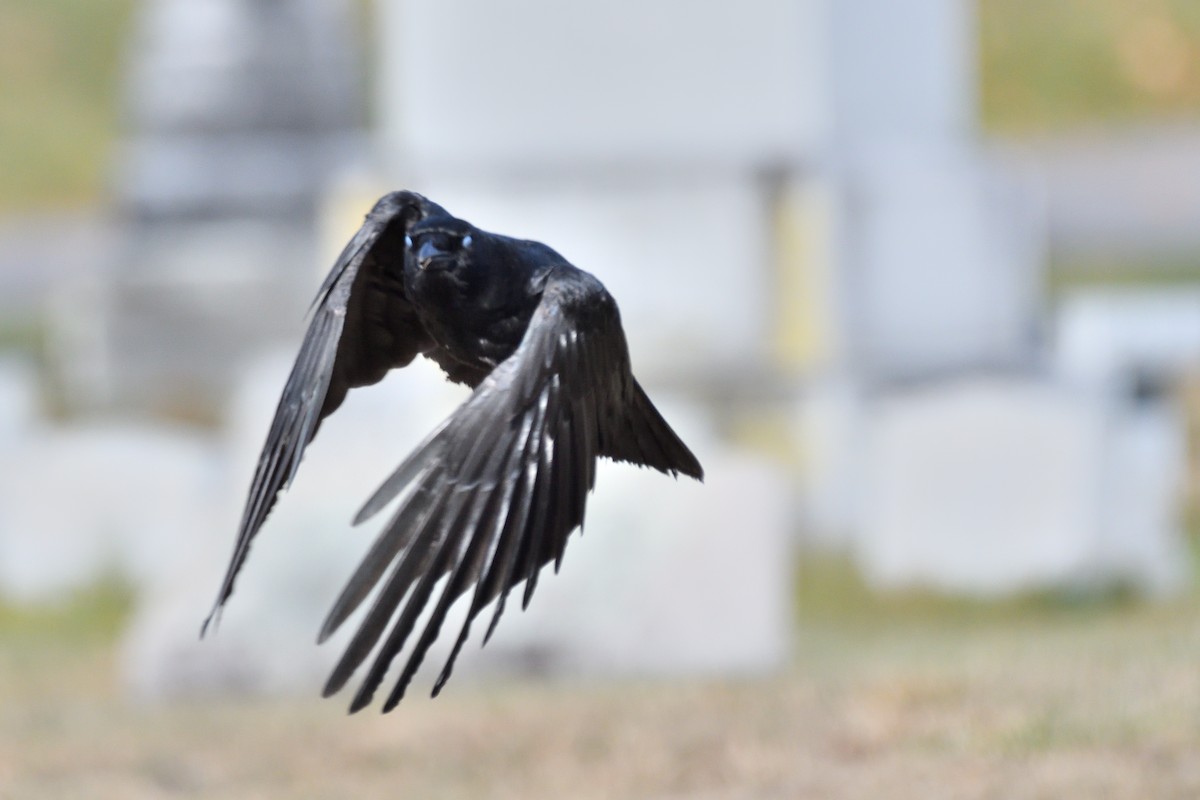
(492, 627)
(326, 631)
(358, 704)
(440, 683)
(336, 682)
(213, 620)
(368, 510)
(394, 698)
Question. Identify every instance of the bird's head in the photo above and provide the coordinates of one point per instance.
(441, 243)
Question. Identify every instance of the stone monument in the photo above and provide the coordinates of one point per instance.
(237, 112)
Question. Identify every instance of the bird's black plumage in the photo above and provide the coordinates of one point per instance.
(492, 494)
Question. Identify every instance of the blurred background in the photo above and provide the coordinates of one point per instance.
(918, 281)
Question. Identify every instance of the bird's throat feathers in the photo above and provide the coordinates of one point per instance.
(478, 303)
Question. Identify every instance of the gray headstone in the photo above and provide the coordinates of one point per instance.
(903, 70)
(1142, 539)
(236, 104)
(986, 486)
(829, 425)
(239, 112)
(18, 399)
(943, 266)
(592, 85)
(81, 502)
(1108, 337)
(1125, 194)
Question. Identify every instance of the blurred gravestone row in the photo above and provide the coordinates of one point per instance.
(238, 112)
(953, 447)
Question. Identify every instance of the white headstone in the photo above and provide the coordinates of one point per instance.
(1142, 540)
(544, 85)
(944, 265)
(828, 427)
(18, 400)
(987, 486)
(903, 70)
(1107, 335)
(81, 502)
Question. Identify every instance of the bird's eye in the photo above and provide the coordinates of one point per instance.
(466, 241)
(408, 241)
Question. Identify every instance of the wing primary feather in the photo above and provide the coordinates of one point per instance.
(440, 525)
(410, 468)
(495, 517)
(500, 574)
(352, 252)
(468, 563)
(396, 537)
(404, 625)
(567, 485)
(569, 475)
(584, 457)
(467, 573)
(544, 501)
(408, 567)
(276, 470)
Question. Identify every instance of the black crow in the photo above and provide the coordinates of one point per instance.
(491, 495)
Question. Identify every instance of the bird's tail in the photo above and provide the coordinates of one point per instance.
(645, 438)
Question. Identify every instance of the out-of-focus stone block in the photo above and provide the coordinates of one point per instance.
(944, 266)
(18, 399)
(903, 70)
(476, 85)
(1113, 336)
(829, 427)
(1142, 539)
(993, 485)
(78, 503)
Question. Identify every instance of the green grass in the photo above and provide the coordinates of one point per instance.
(59, 65)
(93, 615)
(1052, 64)
(23, 333)
(830, 591)
(1164, 273)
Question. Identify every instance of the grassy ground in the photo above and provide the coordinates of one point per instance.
(1039, 699)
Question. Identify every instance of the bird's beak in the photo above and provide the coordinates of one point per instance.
(427, 252)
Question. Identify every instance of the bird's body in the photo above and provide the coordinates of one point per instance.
(492, 494)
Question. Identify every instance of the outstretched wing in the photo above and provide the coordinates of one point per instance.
(493, 493)
(362, 325)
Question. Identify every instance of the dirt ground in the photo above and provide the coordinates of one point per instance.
(1098, 703)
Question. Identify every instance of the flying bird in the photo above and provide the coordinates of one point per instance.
(491, 495)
